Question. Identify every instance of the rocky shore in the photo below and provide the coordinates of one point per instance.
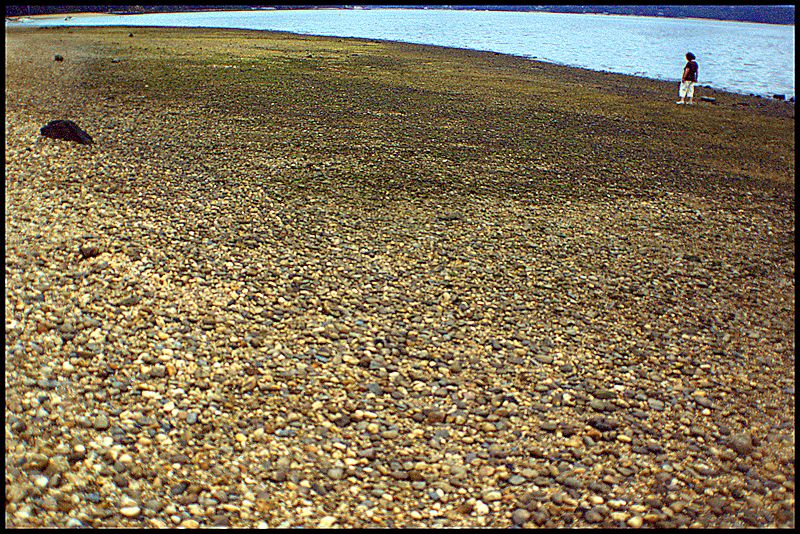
(319, 282)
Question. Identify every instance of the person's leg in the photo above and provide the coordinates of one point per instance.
(681, 93)
(690, 92)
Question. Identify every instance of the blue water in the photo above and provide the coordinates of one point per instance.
(733, 56)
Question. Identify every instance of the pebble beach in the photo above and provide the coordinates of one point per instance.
(318, 282)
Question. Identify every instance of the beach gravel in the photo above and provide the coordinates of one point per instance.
(317, 282)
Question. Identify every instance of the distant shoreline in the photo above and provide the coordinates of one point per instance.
(223, 8)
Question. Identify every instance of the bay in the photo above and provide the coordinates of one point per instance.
(740, 57)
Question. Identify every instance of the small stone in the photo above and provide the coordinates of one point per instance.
(37, 462)
(596, 499)
(520, 516)
(742, 443)
(593, 516)
(179, 488)
(491, 495)
(481, 508)
(101, 422)
(89, 251)
(326, 522)
(130, 511)
(635, 522)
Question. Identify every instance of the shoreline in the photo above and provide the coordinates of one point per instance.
(768, 95)
(305, 282)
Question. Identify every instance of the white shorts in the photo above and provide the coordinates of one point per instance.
(686, 89)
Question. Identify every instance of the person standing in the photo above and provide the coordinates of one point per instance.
(688, 79)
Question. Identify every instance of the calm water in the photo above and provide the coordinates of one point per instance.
(734, 56)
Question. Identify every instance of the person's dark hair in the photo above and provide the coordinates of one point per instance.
(689, 56)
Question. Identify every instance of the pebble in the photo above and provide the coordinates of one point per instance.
(742, 443)
(101, 422)
(593, 516)
(327, 522)
(491, 496)
(520, 516)
(130, 511)
(635, 522)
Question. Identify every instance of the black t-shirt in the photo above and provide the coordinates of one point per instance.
(691, 76)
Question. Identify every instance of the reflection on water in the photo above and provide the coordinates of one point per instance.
(735, 56)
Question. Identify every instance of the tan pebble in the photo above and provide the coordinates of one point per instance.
(130, 511)
(189, 523)
(635, 522)
(620, 516)
(481, 508)
(326, 522)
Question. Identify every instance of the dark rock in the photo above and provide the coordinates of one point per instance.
(708, 99)
(436, 416)
(179, 488)
(58, 57)
(605, 394)
(742, 443)
(593, 516)
(603, 424)
(342, 421)
(89, 251)
(449, 216)
(705, 402)
(130, 301)
(375, 388)
(779, 97)
(66, 130)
